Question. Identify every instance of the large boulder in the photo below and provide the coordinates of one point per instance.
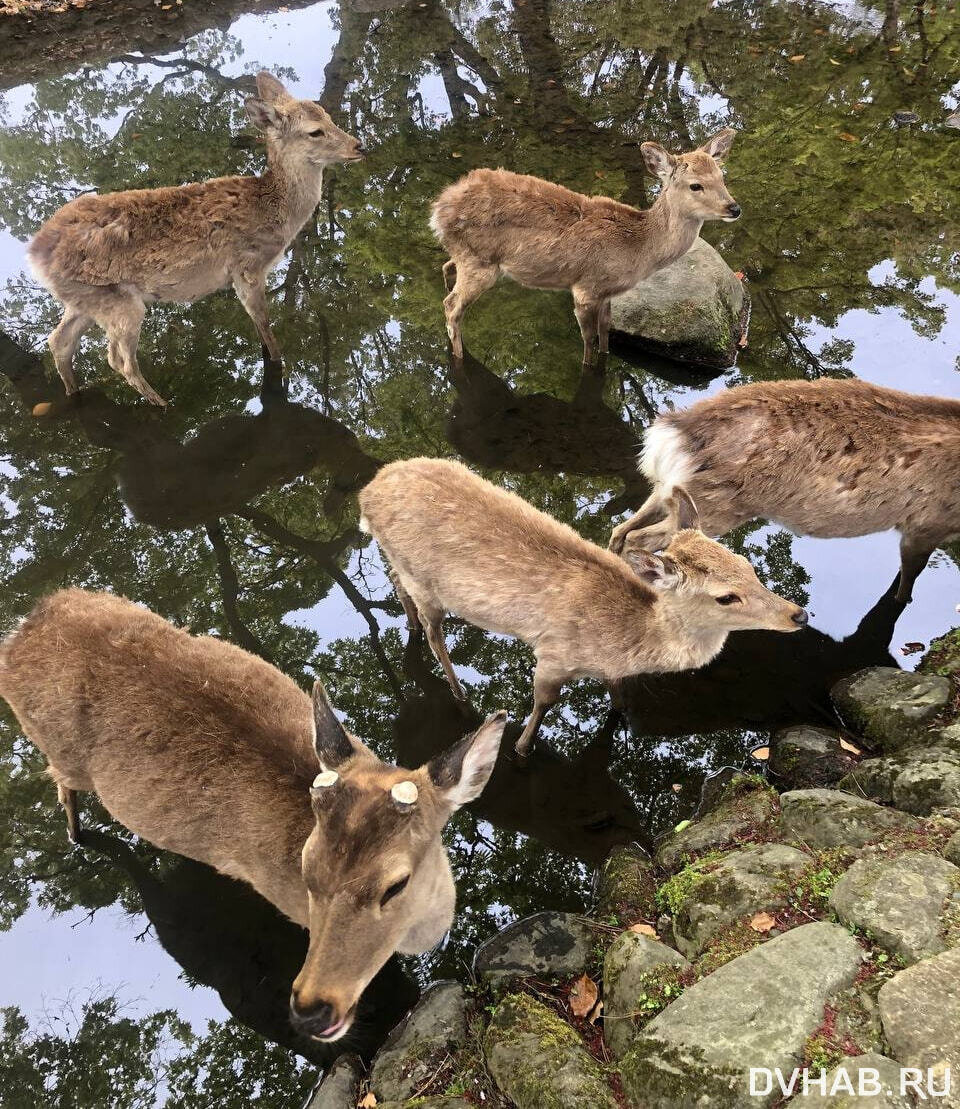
(920, 780)
(920, 1010)
(758, 877)
(830, 818)
(756, 1011)
(415, 1047)
(631, 961)
(744, 809)
(538, 1060)
(695, 311)
(627, 887)
(803, 757)
(553, 943)
(900, 902)
(875, 1075)
(891, 708)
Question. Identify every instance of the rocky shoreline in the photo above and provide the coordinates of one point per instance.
(810, 923)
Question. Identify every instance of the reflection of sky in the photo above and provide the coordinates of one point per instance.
(43, 959)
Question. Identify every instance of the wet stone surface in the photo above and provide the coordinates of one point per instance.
(545, 943)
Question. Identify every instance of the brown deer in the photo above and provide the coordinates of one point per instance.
(825, 458)
(106, 257)
(458, 544)
(210, 752)
(545, 236)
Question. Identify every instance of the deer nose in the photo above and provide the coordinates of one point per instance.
(319, 1018)
(734, 210)
(800, 618)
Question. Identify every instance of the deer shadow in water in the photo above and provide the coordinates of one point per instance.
(570, 805)
(495, 427)
(761, 680)
(226, 936)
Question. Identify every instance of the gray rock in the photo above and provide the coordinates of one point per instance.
(921, 780)
(538, 1060)
(630, 960)
(756, 1011)
(920, 1010)
(428, 1103)
(891, 708)
(831, 818)
(414, 1048)
(627, 887)
(695, 310)
(744, 810)
(546, 943)
(758, 877)
(340, 1088)
(899, 901)
(804, 757)
(870, 1069)
(952, 850)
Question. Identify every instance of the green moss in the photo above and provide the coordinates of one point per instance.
(627, 887)
(674, 893)
(943, 655)
(811, 891)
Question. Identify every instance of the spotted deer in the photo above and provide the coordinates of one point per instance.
(825, 458)
(459, 544)
(210, 752)
(105, 257)
(545, 236)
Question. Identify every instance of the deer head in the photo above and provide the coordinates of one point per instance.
(693, 183)
(377, 875)
(298, 131)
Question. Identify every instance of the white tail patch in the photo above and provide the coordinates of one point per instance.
(664, 458)
(365, 526)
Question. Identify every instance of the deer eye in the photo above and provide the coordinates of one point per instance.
(728, 599)
(391, 891)
(696, 187)
(318, 133)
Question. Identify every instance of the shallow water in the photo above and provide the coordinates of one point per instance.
(236, 518)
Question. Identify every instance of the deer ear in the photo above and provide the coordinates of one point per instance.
(659, 161)
(657, 571)
(262, 114)
(686, 511)
(718, 145)
(461, 772)
(331, 741)
(270, 88)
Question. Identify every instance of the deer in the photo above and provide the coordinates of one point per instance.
(457, 543)
(208, 751)
(824, 458)
(545, 236)
(106, 256)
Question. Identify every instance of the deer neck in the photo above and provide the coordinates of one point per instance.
(293, 188)
(436, 896)
(671, 231)
(674, 639)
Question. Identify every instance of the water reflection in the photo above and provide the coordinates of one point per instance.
(234, 512)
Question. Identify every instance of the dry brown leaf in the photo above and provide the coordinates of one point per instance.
(42, 409)
(761, 754)
(851, 747)
(643, 929)
(847, 137)
(368, 1101)
(676, 787)
(762, 922)
(597, 1013)
(911, 648)
(796, 58)
(583, 996)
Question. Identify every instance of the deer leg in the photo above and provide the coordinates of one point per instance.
(914, 556)
(473, 279)
(449, 274)
(433, 625)
(122, 320)
(546, 693)
(63, 342)
(604, 326)
(252, 294)
(68, 799)
(409, 608)
(587, 310)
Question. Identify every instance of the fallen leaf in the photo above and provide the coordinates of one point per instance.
(911, 648)
(683, 824)
(761, 754)
(762, 922)
(583, 996)
(833, 61)
(848, 746)
(643, 929)
(796, 58)
(894, 49)
(597, 1013)
(676, 787)
(42, 409)
(368, 1101)
(455, 154)
(847, 137)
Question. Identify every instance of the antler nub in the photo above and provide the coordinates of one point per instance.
(325, 779)
(405, 793)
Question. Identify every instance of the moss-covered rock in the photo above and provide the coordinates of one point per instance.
(831, 818)
(805, 757)
(551, 943)
(630, 970)
(538, 1060)
(920, 780)
(867, 1072)
(627, 887)
(891, 708)
(340, 1086)
(943, 655)
(744, 811)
